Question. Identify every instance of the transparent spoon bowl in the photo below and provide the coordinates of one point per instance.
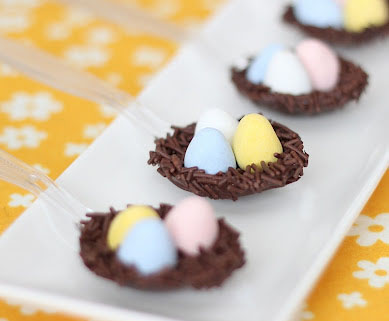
(64, 211)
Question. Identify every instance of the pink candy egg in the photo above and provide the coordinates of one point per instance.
(321, 62)
(192, 224)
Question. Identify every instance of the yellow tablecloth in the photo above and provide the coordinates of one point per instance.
(49, 129)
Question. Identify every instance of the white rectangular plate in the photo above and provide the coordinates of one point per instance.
(289, 234)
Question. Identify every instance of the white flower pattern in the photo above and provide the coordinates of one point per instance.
(149, 56)
(37, 106)
(78, 17)
(58, 31)
(11, 21)
(87, 56)
(304, 314)
(93, 131)
(27, 136)
(21, 200)
(41, 168)
(74, 18)
(108, 111)
(377, 274)
(15, 15)
(75, 149)
(351, 300)
(370, 230)
(165, 8)
(101, 36)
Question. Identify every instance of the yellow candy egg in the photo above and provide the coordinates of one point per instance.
(255, 141)
(361, 14)
(125, 220)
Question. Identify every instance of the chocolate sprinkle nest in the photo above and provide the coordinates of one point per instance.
(209, 269)
(170, 152)
(352, 83)
(338, 36)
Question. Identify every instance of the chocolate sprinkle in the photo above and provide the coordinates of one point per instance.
(352, 82)
(208, 269)
(235, 182)
(338, 36)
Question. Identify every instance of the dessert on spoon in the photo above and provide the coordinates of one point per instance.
(309, 79)
(202, 158)
(163, 248)
(343, 22)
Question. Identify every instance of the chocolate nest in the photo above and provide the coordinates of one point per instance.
(209, 269)
(169, 157)
(352, 82)
(338, 36)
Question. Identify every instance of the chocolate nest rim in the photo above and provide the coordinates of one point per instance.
(352, 83)
(208, 269)
(169, 157)
(337, 36)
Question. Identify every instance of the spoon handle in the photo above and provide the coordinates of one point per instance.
(15, 171)
(59, 74)
(133, 18)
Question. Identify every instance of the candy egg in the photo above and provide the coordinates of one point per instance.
(125, 220)
(210, 151)
(320, 62)
(257, 69)
(286, 74)
(362, 14)
(192, 224)
(148, 246)
(220, 120)
(255, 141)
(342, 3)
(319, 13)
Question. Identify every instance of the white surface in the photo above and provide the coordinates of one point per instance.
(289, 234)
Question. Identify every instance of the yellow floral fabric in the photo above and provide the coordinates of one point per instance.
(125, 58)
(49, 129)
(181, 12)
(355, 286)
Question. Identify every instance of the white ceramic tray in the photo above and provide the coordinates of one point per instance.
(289, 234)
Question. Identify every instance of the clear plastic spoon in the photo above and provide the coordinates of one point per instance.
(58, 74)
(131, 17)
(65, 212)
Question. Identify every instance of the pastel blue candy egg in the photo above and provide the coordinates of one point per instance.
(258, 67)
(209, 150)
(319, 13)
(149, 247)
